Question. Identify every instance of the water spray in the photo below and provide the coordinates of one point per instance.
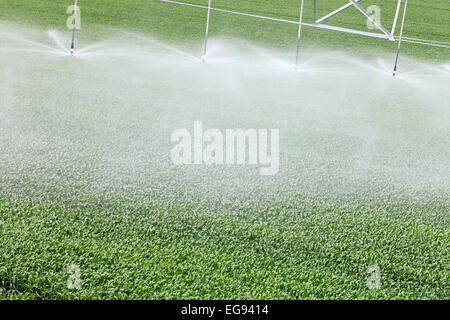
(206, 32)
(72, 46)
(400, 39)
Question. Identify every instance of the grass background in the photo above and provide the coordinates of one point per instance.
(292, 247)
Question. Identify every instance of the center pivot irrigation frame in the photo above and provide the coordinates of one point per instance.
(385, 34)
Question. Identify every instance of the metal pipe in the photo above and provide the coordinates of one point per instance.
(315, 11)
(424, 40)
(207, 31)
(394, 25)
(228, 11)
(299, 33)
(321, 26)
(375, 22)
(72, 46)
(400, 38)
(331, 14)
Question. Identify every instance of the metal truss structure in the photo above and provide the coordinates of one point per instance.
(318, 22)
(383, 33)
(355, 3)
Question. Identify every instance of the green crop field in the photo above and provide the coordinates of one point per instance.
(92, 207)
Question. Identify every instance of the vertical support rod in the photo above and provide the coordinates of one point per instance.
(400, 38)
(299, 33)
(74, 23)
(206, 32)
(394, 25)
(315, 11)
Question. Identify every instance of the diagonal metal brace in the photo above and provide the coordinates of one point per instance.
(335, 12)
(372, 19)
